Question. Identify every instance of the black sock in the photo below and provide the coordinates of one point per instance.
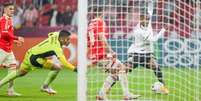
(117, 79)
(113, 84)
(159, 74)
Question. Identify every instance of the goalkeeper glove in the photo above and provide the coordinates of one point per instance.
(75, 70)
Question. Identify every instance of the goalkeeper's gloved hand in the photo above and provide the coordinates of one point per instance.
(75, 70)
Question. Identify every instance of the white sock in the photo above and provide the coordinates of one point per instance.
(10, 86)
(124, 83)
(10, 83)
(107, 84)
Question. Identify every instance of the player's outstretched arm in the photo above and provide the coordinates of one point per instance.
(150, 7)
(150, 11)
(66, 64)
(157, 36)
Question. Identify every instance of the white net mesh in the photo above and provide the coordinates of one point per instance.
(177, 51)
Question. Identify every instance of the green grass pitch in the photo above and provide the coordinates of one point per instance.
(184, 85)
(29, 85)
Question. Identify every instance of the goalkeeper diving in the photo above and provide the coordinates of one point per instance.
(48, 55)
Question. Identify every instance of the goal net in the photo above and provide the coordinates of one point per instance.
(177, 51)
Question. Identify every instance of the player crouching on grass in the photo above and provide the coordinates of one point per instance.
(99, 51)
(49, 55)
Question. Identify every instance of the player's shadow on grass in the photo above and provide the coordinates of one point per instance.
(6, 96)
(35, 97)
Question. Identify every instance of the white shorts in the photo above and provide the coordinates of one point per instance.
(7, 59)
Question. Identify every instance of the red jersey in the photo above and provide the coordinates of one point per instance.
(6, 34)
(97, 50)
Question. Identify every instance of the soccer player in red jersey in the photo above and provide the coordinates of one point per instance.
(7, 38)
(97, 41)
(99, 51)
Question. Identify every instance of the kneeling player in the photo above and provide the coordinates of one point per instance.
(47, 54)
(100, 51)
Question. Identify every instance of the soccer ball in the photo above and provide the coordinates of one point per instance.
(156, 87)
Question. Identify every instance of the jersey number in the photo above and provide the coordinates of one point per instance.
(91, 38)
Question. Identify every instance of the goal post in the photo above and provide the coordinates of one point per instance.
(178, 50)
(198, 27)
(82, 51)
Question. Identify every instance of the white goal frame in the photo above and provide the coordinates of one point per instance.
(82, 50)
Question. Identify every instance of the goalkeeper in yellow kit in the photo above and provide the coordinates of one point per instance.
(49, 55)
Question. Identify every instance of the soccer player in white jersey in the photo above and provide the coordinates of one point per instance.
(141, 51)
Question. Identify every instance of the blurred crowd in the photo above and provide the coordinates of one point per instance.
(176, 15)
(37, 13)
(120, 15)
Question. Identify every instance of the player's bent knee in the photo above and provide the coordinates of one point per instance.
(52, 64)
(22, 73)
(153, 65)
(57, 67)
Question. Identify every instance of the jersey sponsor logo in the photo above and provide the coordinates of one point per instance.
(91, 38)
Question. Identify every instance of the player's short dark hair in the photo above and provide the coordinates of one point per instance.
(144, 16)
(6, 4)
(64, 33)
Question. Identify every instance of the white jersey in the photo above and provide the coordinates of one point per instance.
(144, 38)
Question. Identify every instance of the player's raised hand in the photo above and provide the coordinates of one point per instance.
(150, 7)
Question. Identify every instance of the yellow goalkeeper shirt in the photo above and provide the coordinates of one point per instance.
(49, 47)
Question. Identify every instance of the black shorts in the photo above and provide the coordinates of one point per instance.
(138, 59)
